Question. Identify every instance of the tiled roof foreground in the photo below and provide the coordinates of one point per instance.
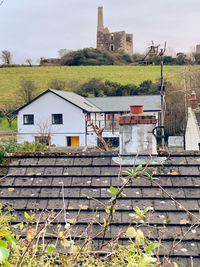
(35, 183)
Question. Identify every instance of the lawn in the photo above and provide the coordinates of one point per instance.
(4, 124)
(9, 77)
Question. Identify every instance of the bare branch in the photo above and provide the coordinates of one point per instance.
(99, 132)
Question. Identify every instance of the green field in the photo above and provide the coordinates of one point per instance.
(9, 77)
(5, 126)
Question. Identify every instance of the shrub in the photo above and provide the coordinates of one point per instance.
(13, 147)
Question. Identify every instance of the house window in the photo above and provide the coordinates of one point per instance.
(43, 140)
(57, 118)
(28, 119)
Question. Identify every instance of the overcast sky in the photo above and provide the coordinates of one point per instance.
(39, 28)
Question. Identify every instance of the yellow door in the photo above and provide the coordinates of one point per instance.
(74, 140)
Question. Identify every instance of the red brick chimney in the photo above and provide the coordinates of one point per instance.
(193, 101)
(136, 116)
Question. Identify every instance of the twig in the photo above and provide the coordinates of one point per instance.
(36, 229)
(170, 196)
(48, 221)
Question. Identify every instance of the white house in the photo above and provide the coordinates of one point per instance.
(64, 118)
(192, 132)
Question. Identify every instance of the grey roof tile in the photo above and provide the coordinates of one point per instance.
(23, 181)
(6, 181)
(123, 103)
(91, 171)
(77, 100)
(37, 184)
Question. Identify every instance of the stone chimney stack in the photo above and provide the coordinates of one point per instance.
(193, 101)
(136, 135)
(100, 26)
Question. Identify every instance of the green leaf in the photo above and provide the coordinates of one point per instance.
(3, 243)
(4, 231)
(148, 175)
(129, 172)
(151, 247)
(104, 222)
(108, 209)
(114, 259)
(113, 191)
(4, 254)
(131, 233)
(29, 217)
(50, 248)
(139, 212)
(138, 169)
(7, 264)
(19, 225)
(145, 211)
(12, 241)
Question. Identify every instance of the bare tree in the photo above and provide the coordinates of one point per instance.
(63, 52)
(175, 116)
(29, 62)
(27, 90)
(1, 2)
(99, 132)
(6, 57)
(7, 112)
(44, 131)
(57, 84)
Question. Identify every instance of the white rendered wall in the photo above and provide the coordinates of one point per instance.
(137, 139)
(192, 135)
(43, 108)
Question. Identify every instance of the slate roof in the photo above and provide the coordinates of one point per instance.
(123, 103)
(77, 100)
(104, 104)
(36, 183)
(71, 97)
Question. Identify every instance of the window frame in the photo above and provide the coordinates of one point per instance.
(54, 121)
(43, 139)
(28, 122)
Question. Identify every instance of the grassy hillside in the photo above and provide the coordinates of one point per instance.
(9, 77)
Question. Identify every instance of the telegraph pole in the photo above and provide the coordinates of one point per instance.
(162, 94)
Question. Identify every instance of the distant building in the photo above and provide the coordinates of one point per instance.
(114, 41)
(64, 118)
(198, 48)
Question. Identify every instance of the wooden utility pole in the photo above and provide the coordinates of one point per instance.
(162, 94)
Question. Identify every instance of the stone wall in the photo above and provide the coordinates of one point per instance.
(114, 41)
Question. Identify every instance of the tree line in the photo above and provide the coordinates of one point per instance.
(92, 56)
(175, 116)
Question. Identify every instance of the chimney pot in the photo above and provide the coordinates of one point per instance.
(136, 109)
(193, 95)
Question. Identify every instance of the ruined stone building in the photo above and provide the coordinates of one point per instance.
(112, 41)
(198, 48)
